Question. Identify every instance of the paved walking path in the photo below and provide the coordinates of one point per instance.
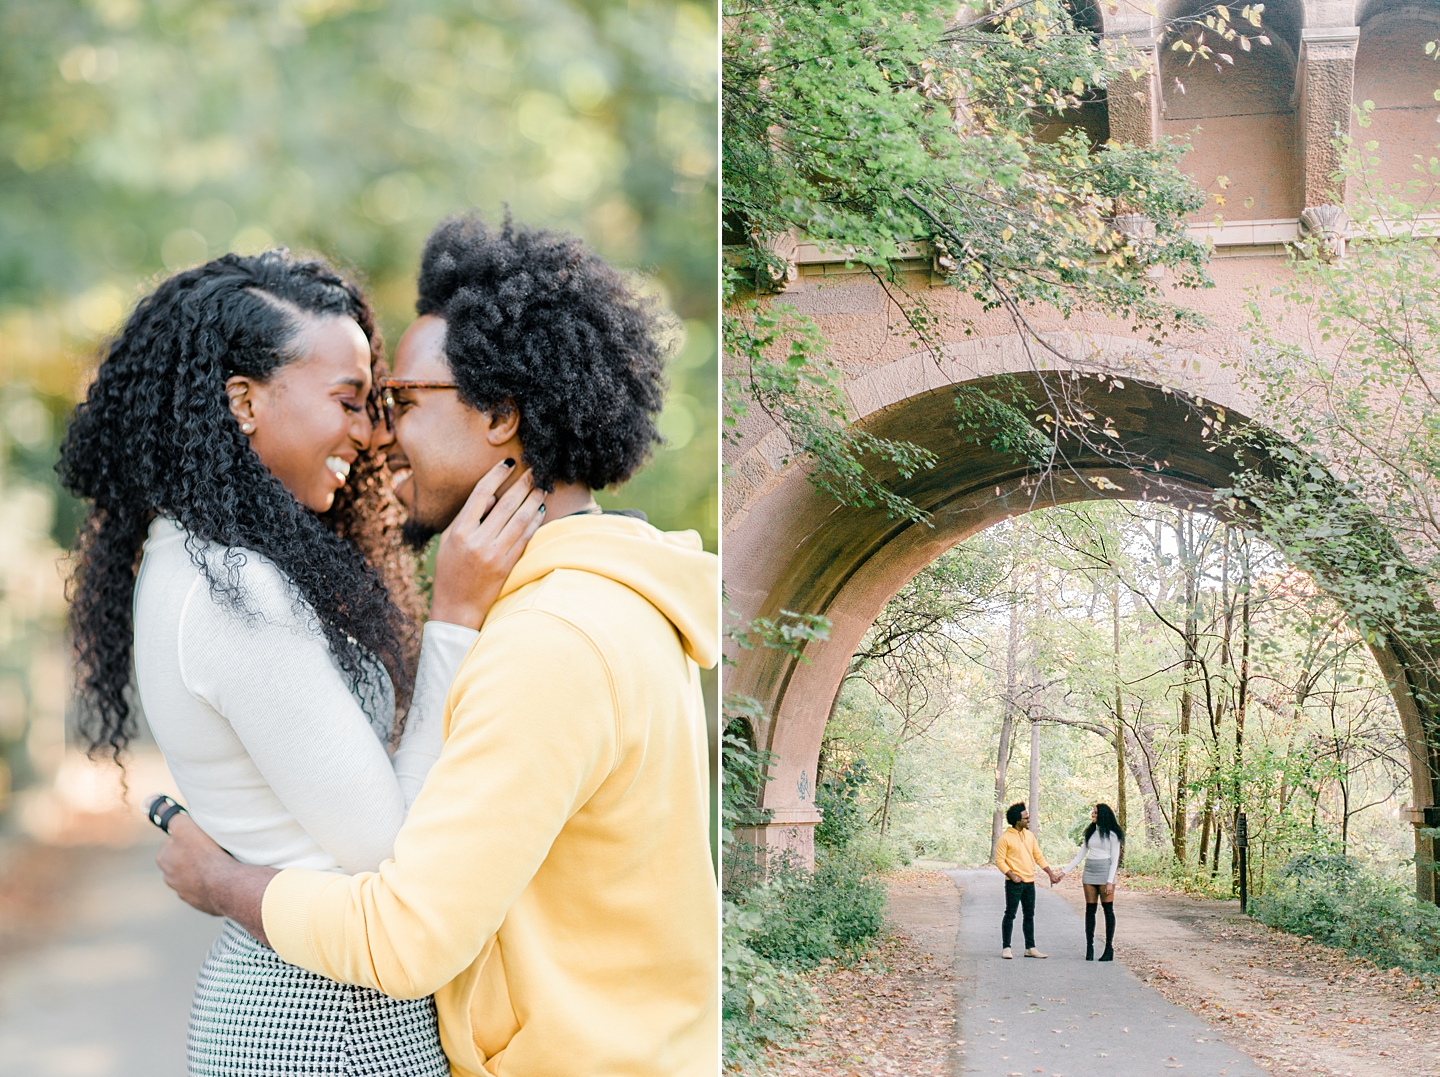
(108, 993)
(1066, 1017)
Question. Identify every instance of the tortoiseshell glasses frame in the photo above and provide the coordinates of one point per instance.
(387, 387)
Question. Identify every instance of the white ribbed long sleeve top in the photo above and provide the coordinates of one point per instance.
(274, 755)
(1098, 848)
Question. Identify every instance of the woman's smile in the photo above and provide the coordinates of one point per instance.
(339, 467)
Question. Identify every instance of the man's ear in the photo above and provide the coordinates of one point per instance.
(504, 424)
(239, 390)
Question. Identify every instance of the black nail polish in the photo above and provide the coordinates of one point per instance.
(542, 508)
(509, 462)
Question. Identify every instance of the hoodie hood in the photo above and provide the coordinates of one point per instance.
(669, 569)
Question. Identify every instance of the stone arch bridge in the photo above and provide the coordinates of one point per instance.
(1268, 126)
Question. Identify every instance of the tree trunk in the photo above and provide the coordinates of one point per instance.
(1035, 779)
(1007, 721)
(1139, 755)
(1034, 678)
(1214, 794)
(1241, 694)
(1185, 541)
(1344, 817)
(1205, 824)
(885, 808)
(1119, 711)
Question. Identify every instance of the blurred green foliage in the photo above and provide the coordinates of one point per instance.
(141, 136)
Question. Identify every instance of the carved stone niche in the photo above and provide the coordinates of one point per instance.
(942, 262)
(783, 247)
(1135, 226)
(1139, 229)
(1331, 224)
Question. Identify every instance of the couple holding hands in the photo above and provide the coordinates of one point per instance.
(473, 841)
(1018, 857)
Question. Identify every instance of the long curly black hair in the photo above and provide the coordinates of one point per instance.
(535, 319)
(155, 436)
(1105, 822)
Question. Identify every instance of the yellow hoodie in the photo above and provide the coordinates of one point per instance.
(552, 884)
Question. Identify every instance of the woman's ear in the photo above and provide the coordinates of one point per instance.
(504, 423)
(242, 405)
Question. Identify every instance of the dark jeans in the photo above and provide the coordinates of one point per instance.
(1023, 895)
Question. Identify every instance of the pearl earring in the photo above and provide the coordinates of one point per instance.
(247, 428)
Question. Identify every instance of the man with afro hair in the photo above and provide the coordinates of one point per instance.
(552, 885)
(514, 302)
(547, 345)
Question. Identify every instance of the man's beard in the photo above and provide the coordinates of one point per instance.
(417, 531)
(417, 534)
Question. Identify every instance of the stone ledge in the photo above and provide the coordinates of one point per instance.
(1330, 34)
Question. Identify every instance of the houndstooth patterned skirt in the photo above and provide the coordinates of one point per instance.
(254, 1015)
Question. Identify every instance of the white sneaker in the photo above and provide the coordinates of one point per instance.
(1007, 953)
(1032, 952)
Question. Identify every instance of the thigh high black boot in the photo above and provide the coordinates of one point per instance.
(1109, 954)
(1090, 931)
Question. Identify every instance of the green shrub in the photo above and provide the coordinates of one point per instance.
(853, 901)
(805, 917)
(876, 855)
(838, 799)
(1337, 901)
(778, 926)
(762, 1003)
(788, 928)
(743, 770)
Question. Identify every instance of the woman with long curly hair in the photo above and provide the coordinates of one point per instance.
(1100, 847)
(243, 556)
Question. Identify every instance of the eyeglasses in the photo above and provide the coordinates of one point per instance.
(387, 387)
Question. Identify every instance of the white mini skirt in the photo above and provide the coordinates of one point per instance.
(1097, 872)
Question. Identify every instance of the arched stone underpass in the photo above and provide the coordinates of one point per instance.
(791, 548)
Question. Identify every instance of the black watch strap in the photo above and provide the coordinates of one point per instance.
(162, 810)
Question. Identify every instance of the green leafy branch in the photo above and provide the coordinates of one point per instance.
(780, 366)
